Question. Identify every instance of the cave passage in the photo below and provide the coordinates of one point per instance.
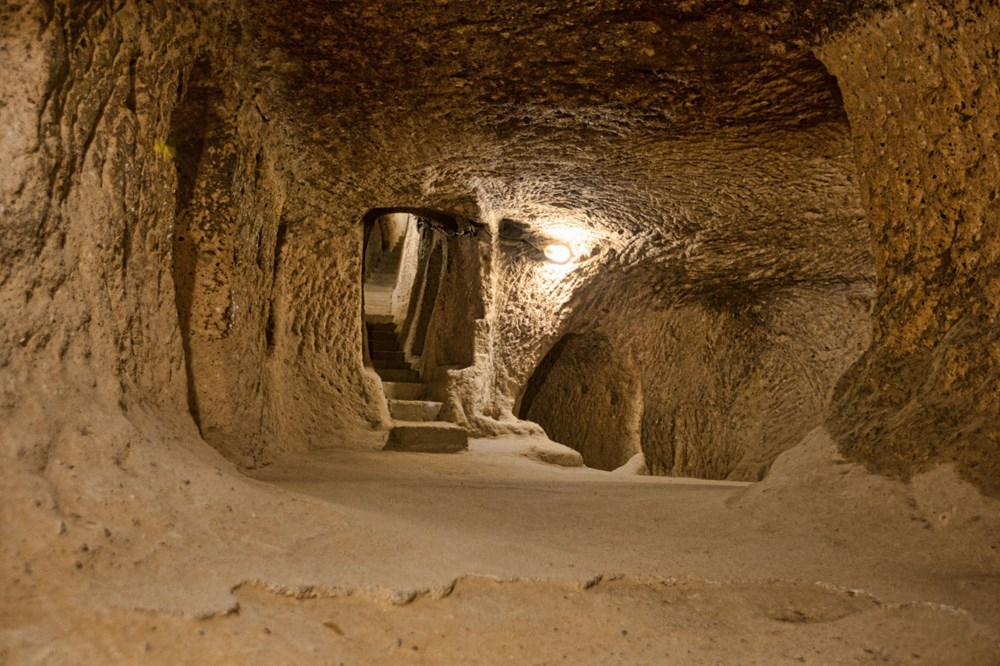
(390, 275)
(475, 330)
(420, 270)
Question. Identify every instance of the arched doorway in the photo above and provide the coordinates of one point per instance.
(420, 296)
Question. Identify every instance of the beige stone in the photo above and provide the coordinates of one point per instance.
(778, 326)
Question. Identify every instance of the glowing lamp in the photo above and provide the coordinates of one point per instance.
(557, 253)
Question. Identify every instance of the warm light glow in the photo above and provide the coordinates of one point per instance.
(568, 233)
(573, 241)
(557, 253)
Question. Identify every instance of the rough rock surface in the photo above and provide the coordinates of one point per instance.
(920, 87)
(697, 172)
(782, 216)
(703, 177)
(710, 390)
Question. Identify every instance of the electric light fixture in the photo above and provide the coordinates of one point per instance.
(557, 253)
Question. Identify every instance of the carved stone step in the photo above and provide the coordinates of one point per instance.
(398, 375)
(430, 437)
(403, 390)
(385, 364)
(414, 410)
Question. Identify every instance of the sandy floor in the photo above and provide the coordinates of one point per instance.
(488, 557)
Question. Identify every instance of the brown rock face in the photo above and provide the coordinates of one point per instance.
(184, 187)
(226, 252)
(738, 241)
(88, 190)
(707, 389)
(920, 87)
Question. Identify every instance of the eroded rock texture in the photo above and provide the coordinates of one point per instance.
(709, 389)
(88, 193)
(920, 86)
(183, 189)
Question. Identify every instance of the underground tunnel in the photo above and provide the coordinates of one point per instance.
(610, 331)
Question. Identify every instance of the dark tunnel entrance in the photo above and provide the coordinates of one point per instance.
(420, 296)
(585, 398)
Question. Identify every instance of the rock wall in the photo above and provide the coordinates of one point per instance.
(714, 390)
(920, 87)
(727, 389)
(227, 244)
(587, 394)
(184, 188)
(153, 241)
(88, 201)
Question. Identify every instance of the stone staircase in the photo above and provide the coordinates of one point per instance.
(415, 427)
(387, 354)
(379, 285)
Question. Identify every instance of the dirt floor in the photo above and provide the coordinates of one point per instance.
(491, 557)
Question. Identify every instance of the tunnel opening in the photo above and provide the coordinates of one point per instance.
(541, 375)
(419, 269)
(584, 396)
(389, 272)
(714, 362)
